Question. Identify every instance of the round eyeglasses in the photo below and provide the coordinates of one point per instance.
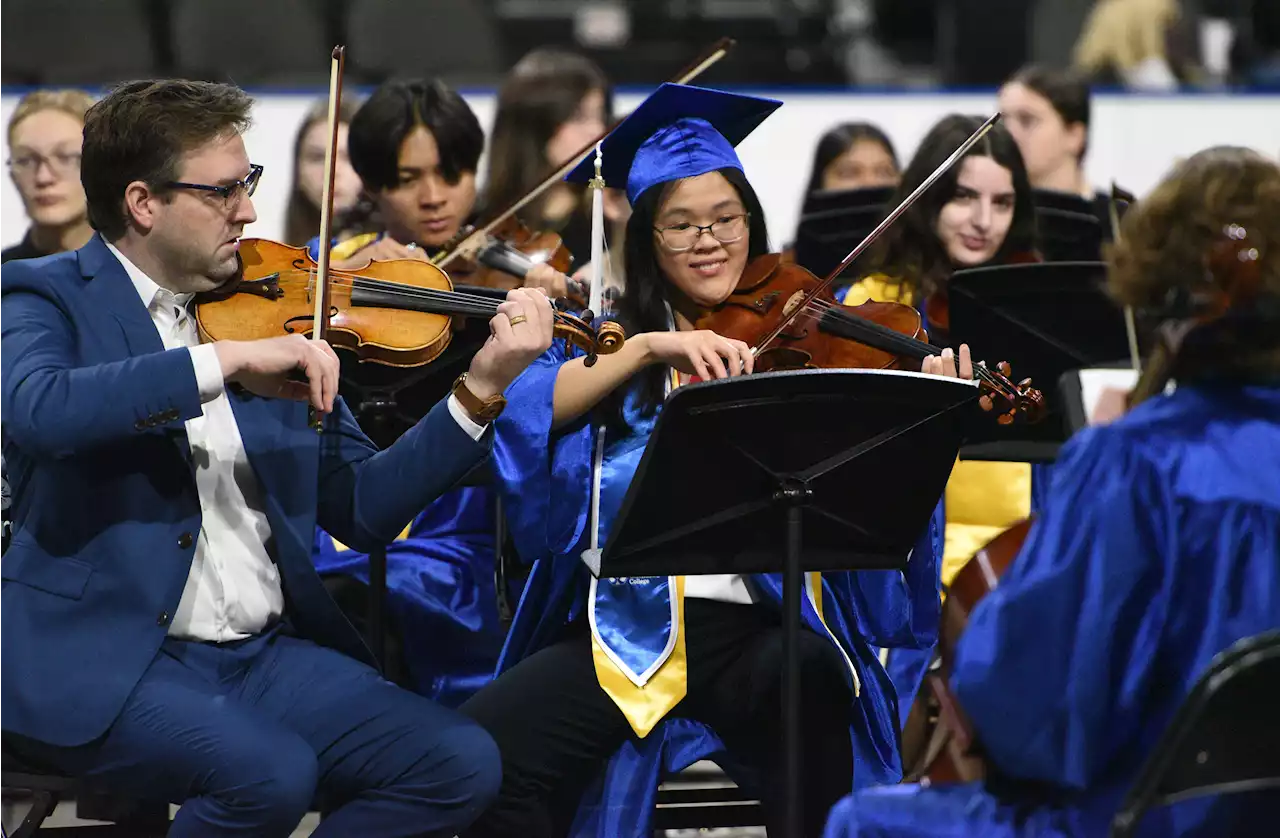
(726, 229)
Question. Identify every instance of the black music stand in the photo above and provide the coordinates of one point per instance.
(792, 471)
(1044, 319)
(832, 223)
(1069, 236)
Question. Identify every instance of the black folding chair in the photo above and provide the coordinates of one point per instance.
(1223, 740)
(44, 789)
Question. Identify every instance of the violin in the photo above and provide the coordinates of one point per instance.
(764, 311)
(504, 255)
(396, 313)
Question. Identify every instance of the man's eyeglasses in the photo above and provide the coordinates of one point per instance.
(231, 193)
(681, 237)
(61, 163)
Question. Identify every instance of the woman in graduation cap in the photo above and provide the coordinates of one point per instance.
(662, 671)
(1158, 546)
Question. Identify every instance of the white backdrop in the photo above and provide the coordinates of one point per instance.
(1135, 138)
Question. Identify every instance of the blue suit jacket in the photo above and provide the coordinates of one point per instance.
(105, 504)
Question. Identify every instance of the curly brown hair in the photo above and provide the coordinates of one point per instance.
(1162, 257)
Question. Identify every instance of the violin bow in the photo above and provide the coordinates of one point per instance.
(320, 322)
(321, 328)
(875, 234)
(472, 240)
(1130, 328)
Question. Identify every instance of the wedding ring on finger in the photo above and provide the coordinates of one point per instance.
(519, 318)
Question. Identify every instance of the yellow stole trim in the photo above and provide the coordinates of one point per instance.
(645, 706)
(340, 547)
(348, 248)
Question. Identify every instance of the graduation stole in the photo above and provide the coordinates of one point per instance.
(637, 623)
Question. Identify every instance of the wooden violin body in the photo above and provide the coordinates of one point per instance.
(938, 745)
(510, 250)
(769, 292)
(792, 321)
(276, 293)
(397, 313)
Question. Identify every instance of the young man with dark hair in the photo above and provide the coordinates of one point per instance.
(416, 145)
(165, 633)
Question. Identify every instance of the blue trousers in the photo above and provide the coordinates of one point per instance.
(245, 735)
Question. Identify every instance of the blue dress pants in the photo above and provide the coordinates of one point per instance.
(248, 735)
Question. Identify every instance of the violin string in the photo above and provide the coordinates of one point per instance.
(392, 287)
(992, 378)
(457, 302)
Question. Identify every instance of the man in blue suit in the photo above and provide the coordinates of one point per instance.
(164, 631)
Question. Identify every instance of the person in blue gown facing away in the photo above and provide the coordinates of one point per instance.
(627, 678)
(1158, 548)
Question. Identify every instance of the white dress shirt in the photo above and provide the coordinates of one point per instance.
(233, 589)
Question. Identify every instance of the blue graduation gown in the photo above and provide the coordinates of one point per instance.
(545, 479)
(440, 585)
(440, 593)
(1158, 548)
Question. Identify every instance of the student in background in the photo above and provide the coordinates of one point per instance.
(854, 155)
(44, 162)
(302, 214)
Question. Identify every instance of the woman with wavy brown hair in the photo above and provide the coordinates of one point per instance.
(1159, 546)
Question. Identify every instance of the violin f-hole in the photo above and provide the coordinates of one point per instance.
(288, 324)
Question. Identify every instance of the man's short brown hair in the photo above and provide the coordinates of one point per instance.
(141, 129)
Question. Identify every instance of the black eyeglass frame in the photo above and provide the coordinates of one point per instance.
(249, 184)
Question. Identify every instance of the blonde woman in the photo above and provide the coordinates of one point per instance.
(1135, 43)
(44, 164)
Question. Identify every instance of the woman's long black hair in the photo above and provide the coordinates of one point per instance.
(643, 304)
(910, 252)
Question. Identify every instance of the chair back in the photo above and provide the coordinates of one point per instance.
(1223, 739)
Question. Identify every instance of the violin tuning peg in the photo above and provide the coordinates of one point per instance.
(985, 403)
(1004, 369)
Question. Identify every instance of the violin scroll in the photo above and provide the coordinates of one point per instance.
(1017, 402)
(581, 331)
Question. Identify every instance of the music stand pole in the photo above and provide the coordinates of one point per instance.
(792, 583)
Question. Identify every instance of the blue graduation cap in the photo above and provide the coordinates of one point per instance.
(680, 131)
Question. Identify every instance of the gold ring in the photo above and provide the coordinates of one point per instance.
(519, 318)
